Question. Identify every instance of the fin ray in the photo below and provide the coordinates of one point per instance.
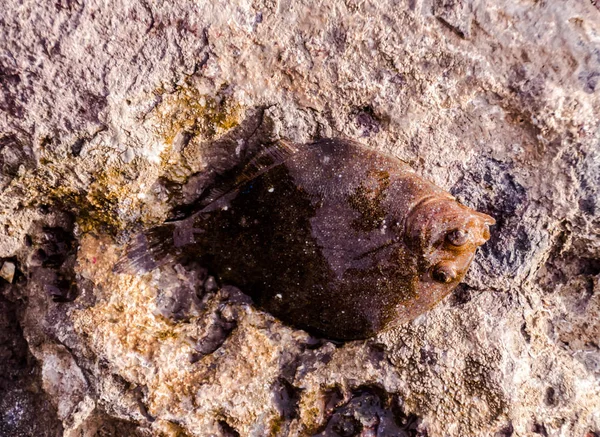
(147, 250)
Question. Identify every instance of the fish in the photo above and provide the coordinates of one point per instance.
(331, 237)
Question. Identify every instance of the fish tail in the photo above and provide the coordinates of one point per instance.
(148, 250)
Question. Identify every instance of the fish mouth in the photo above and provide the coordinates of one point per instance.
(485, 221)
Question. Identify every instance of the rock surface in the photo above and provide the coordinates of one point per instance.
(112, 114)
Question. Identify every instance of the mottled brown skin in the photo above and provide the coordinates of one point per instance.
(335, 239)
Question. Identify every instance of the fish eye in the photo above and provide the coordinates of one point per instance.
(457, 237)
(443, 274)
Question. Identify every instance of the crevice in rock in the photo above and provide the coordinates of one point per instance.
(228, 430)
(24, 406)
(367, 409)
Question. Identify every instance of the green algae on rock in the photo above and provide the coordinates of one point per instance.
(331, 237)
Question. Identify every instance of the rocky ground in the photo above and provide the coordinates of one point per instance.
(112, 114)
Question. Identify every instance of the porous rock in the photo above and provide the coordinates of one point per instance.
(115, 114)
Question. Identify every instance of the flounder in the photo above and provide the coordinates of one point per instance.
(330, 237)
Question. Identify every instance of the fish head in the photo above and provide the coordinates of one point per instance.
(444, 235)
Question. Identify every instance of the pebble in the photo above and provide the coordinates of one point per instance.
(8, 271)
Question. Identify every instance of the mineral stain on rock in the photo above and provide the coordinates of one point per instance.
(330, 237)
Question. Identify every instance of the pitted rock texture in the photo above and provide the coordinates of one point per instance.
(114, 116)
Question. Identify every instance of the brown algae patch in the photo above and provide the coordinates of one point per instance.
(103, 206)
(104, 199)
(188, 110)
(109, 200)
(188, 115)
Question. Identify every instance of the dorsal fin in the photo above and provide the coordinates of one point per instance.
(227, 183)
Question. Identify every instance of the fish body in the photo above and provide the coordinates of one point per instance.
(332, 238)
